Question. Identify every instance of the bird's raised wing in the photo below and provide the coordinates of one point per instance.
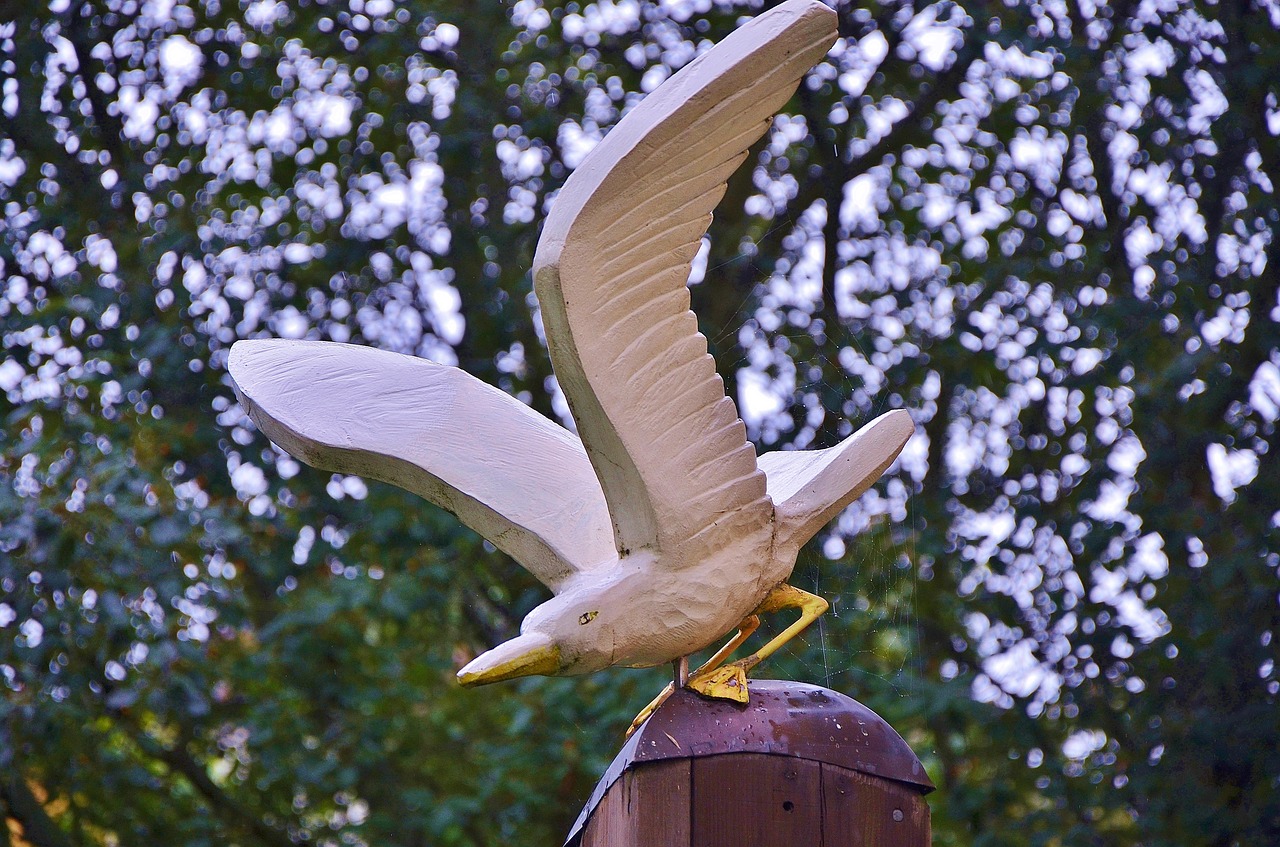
(810, 487)
(611, 272)
(518, 479)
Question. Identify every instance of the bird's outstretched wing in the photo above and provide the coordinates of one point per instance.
(810, 487)
(518, 479)
(611, 275)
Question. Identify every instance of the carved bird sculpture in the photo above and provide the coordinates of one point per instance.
(657, 527)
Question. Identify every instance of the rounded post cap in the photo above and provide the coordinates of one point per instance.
(782, 718)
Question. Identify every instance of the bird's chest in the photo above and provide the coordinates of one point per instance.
(685, 613)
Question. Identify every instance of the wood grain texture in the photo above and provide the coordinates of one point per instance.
(866, 811)
(647, 805)
(801, 765)
(755, 800)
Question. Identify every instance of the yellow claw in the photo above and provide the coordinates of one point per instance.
(650, 709)
(727, 682)
(719, 681)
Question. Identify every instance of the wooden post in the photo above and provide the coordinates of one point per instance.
(798, 766)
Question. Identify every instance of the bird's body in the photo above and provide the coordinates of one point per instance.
(610, 619)
(656, 526)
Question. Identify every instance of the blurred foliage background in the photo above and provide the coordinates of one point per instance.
(1046, 228)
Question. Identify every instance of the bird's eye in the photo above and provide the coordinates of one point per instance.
(587, 617)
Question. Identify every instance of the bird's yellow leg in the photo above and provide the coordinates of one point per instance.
(705, 681)
(745, 629)
(729, 682)
(785, 596)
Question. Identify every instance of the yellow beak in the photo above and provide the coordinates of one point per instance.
(525, 655)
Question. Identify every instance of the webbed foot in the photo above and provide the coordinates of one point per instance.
(727, 682)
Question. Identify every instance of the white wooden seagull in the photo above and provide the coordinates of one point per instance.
(660, 531)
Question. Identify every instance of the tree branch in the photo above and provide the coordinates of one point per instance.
(839, 167)
(179, 761)
(911, 127)
(1094, 125)
(110, 128)
(19, 802)
(227, 807)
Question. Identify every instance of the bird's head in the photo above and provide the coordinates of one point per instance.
(568, 634)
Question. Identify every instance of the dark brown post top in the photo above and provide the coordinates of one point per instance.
(783, 719)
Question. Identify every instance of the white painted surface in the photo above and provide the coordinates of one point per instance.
(658, 531)
(515, 477)
(610, 272)
(810, 487)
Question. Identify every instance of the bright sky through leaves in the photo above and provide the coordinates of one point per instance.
(1046, 228)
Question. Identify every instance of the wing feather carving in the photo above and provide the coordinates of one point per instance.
(440, 433)
(611, 271)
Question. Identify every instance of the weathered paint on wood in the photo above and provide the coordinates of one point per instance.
(756, 800)
(666, 786)
(752, 800)
(865, 811)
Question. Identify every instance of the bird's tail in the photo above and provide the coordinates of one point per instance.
(810, 487)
